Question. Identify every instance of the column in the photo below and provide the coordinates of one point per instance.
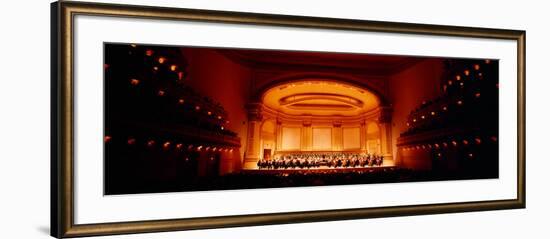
(363, 140)
(384, 123)
(252, 153)
(307, 136)
(337, 136)
(278, 137)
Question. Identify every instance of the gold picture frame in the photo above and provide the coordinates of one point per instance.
(62, 161)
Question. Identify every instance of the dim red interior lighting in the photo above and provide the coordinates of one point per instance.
(150, 143)
(149, 52)
(107, 138)
(181, 101)
(166, 145)
(131, 141)
(161, 93)
(134, 81)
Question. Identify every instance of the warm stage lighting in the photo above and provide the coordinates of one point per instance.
(161, 93)
(197, 108)
(134, 81)
(459, 102)
(478, 95)
(149, 52)
(467, 72)
(181, 101)
(433, 113)
(457, 77)
(476, 67)
(179, 146)
(162, 60)
(166, 145)
(173, 67)
(150, 143)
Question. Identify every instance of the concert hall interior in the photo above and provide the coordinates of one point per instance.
(198, 118)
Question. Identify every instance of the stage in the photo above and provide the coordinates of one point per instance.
(321, 170)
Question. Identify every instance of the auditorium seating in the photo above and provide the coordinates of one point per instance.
(459, 128)
(151, 93)
(155, 123)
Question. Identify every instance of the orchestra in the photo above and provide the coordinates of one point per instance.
(318, 160)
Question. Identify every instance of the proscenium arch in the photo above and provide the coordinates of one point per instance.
(349, 80)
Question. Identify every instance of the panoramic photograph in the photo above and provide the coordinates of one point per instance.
(188, 118)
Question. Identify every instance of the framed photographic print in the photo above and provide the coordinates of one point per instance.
(170, 119)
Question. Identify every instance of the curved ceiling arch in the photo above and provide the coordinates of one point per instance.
(320, 97)
(324, 76)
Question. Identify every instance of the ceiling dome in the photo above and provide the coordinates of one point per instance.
(320, 98)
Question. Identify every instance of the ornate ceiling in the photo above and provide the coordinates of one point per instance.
(319, 97)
